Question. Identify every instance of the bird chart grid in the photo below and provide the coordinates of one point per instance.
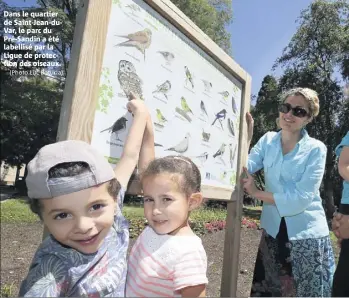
(194, 103)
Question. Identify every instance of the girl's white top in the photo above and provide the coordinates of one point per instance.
(161, 265)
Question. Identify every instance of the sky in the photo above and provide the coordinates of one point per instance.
(260, 30)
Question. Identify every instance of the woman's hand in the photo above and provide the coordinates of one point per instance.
(250, 124)
(340, 225)
(248, 183)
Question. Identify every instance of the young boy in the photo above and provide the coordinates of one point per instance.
(79, 197)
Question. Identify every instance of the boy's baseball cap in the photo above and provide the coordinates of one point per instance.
(38, 183)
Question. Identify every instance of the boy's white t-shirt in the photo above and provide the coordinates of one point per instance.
(161, 265)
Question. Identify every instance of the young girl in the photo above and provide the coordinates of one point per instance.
(168, 259)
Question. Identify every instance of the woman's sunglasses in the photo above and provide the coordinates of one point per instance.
(297, 111)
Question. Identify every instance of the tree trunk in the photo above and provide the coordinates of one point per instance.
(328, 193)
(25, 173)
(17, 173)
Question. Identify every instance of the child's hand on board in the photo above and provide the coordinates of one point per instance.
(136, 105)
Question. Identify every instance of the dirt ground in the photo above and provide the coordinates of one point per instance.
(19, 242)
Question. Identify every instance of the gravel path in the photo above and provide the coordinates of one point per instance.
(19, 242)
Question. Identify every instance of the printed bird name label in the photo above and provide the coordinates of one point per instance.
(205, 144)
(158, 127)
(180, 117)
(160, 99)
(133, 57)
(132, 18)
(115, 144)
(223, 102)
(151, 24)
(122, 95)
(219, 127)
(190, 90)
(169, 70)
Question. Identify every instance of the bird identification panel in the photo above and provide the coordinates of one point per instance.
(194, 103)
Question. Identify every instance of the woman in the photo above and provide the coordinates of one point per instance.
(295, 256)
(340, 223)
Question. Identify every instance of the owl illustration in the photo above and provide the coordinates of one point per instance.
(128, 79)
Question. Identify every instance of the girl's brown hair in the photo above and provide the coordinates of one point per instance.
(182, 170)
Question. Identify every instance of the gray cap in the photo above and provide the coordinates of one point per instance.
(38, 183)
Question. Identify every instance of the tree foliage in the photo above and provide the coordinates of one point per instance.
(211, 16)
(29, 118)
(322, 39)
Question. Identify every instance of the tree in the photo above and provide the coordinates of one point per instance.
(211, 16)
(265, 113)
(29, 118)
(322, 40)
(266, 110)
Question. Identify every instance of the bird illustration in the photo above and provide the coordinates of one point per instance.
(141, 40)
(183, 114)
(160, 117)
(118, 126)
(203, 108)
(211, 176)
(219, 116)
(202, 157)
(233, 179)
(182, 146)
(220, 151)
(164, 88)
(168, 56)
(185, 106)
(205, 136)
(157, 145)
(189, 76)
(231, 127)
(232, 154)
(233, 103)
(128, 79)
(225, 94)
(134, 8)
(223, 175)
(208, 85)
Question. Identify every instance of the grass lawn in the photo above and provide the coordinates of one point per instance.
(15, 210)
(202, 221)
